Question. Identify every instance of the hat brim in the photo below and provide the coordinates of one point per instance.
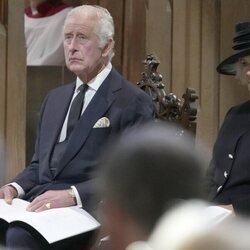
(227, 66)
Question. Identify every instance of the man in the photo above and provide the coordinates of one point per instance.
(141, 176)
(60, 173)
(228, 179)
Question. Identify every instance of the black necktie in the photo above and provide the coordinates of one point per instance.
(76, 109)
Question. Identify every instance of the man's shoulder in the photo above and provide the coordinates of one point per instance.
(128, 88)
(241, 108)
(62, 88)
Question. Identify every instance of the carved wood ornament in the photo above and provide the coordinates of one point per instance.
(168, 107)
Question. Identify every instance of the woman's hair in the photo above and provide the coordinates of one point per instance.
(105, 25)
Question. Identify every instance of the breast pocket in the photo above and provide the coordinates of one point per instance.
(98, 137)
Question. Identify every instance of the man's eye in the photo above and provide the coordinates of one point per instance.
(81, 37)
(67, 37)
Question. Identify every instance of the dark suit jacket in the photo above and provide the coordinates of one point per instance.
(229, 171)
(124, 104)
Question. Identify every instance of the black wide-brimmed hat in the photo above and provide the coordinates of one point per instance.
(241, 47)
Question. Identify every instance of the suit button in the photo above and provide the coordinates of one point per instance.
(230, 156)
(218, 189)
(225, 174)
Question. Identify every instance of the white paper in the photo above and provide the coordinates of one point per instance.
(217, 213)
(53, 224)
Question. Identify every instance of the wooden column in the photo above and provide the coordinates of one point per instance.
(158, 36)
(134, 39)
(15, 90)
(179, 48)
(208, 94)
(195, 55)
(2, 100)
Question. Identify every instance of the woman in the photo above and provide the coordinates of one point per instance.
(228, 178)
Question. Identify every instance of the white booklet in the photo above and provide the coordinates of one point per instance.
(217, 213)
(53, 224)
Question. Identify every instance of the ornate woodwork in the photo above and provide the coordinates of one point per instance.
(168, 107)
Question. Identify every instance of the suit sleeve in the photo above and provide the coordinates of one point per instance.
(210, 186)
(28, 178)
(139, 111)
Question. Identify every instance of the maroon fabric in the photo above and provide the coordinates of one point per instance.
(46, 9)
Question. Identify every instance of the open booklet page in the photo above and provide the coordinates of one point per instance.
(217, 213)
(53, 224)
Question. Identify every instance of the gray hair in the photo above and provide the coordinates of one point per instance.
(105, 25)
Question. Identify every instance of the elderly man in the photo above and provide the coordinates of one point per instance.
(76, 121)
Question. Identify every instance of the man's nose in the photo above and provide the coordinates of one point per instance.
(73, 46)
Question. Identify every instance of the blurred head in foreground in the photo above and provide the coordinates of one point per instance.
(189, 227)
(143, 174)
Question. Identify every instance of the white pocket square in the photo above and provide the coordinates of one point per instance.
(102, 123)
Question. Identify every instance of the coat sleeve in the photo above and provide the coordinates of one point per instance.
(139, 111)
(28, 178)
(210, 186)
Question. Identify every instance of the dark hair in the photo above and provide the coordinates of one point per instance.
(148, 170)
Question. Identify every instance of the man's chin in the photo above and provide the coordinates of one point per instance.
(75, 68)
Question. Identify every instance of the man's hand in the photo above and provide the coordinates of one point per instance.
(8, 193)
(51, 199)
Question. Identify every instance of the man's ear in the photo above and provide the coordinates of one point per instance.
(108, 47)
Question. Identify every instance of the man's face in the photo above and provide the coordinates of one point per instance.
(83, 54)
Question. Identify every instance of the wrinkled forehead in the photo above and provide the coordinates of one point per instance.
(81, 22)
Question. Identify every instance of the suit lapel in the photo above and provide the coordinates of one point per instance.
(59, 104)
(57, 113)
(100, 103)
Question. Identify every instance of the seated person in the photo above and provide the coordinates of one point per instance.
(228, 178)
(76, 121)
(43, 25)
(140, 176)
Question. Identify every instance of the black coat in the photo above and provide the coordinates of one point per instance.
(228, 178)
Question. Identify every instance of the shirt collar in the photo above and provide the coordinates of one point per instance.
(97, 81)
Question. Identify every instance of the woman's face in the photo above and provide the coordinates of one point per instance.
(243, 73)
